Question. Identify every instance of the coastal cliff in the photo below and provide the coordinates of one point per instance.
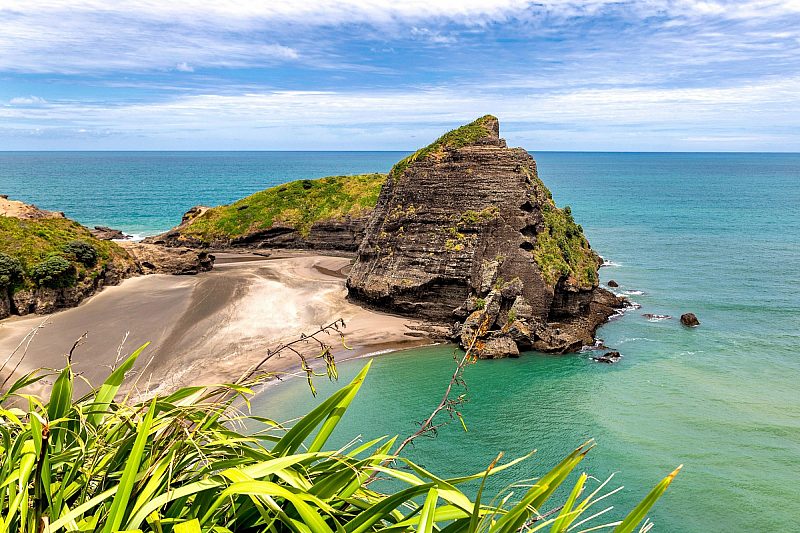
(49, 262)
(324, 214)
(464, 230)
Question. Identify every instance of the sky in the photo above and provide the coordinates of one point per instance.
(609, 75)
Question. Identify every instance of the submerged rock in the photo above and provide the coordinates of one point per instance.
(464, 228)
(608, 357)
(690, 320)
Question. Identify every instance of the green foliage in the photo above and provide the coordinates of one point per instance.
(512, 316)
(480, 304)
(54, 272)
(471, 217)
(82, 251)
(457, 138)
(178, 464)
(299, 204)
(32, 241)
(562, 250)
(10, 271)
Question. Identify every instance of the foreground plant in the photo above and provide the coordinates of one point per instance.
(185, 463)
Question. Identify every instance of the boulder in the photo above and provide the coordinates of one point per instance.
(612, 283)
(496, 347)
(156, 259)
(689, 320)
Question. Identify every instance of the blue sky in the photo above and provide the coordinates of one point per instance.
(372, 74)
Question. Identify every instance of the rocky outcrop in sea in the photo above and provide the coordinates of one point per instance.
(465, 233)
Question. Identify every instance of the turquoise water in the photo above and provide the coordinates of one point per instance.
(716, 234)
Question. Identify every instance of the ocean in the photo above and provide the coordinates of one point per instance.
(715, 234)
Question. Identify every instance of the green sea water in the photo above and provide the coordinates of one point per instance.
(715, 234)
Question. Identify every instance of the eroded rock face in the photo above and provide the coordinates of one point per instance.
(329, 235)
(156, 259)
(464, 229)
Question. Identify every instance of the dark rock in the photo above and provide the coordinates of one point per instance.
(608, 357)
(326, 235)
(104, 233)
(612, 283)
(458, 228)
(155, 259)
(689, 320)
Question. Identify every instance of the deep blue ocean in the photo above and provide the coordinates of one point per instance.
(715, 234)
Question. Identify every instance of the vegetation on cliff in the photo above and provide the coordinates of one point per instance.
(298, 204)
(457, 138)
(54, 252)
(561, 250)
(179, 464)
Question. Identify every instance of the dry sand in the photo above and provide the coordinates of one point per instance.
(212, 327)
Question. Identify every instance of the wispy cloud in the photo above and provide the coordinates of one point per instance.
(566, 74)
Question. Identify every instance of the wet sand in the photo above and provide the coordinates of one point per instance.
(212, 327)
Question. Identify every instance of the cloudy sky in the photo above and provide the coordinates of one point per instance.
(697, 75)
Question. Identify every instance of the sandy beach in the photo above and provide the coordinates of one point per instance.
(212, 327)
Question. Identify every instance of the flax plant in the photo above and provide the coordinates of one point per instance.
(183, 463)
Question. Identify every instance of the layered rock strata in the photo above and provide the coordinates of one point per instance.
(465, 231)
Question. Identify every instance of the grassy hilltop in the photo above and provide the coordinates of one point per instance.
(299, 204)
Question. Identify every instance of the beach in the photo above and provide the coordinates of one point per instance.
(212, 327)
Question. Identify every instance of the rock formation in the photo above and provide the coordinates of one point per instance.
(154, 259)
(49, 262)
(21, 210)
(465, 230)
(104, 233)
(690, 320)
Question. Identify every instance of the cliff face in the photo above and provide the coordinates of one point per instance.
(465, 230)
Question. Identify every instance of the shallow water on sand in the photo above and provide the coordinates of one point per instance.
(715, 234)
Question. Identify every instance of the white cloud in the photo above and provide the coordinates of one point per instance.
(752, 116)
(27, 100)
(73, 36)
(183, 66)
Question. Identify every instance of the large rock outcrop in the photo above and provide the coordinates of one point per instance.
(465, 230)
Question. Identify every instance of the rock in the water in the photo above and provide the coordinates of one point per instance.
(689, 320)
(608, 357)
(156, 259)
(656, 318)
(612, 283)
(104, 233)
(466, 224)
(496, 347)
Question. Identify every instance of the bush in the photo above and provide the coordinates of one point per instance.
(177, 463)
(83, 252)
(10, 271)
(54, 272)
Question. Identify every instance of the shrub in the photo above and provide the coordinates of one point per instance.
(177, 464)
(54, 272)
(83, 252)
(10, 271)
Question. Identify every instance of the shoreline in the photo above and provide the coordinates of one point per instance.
(211, 327)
